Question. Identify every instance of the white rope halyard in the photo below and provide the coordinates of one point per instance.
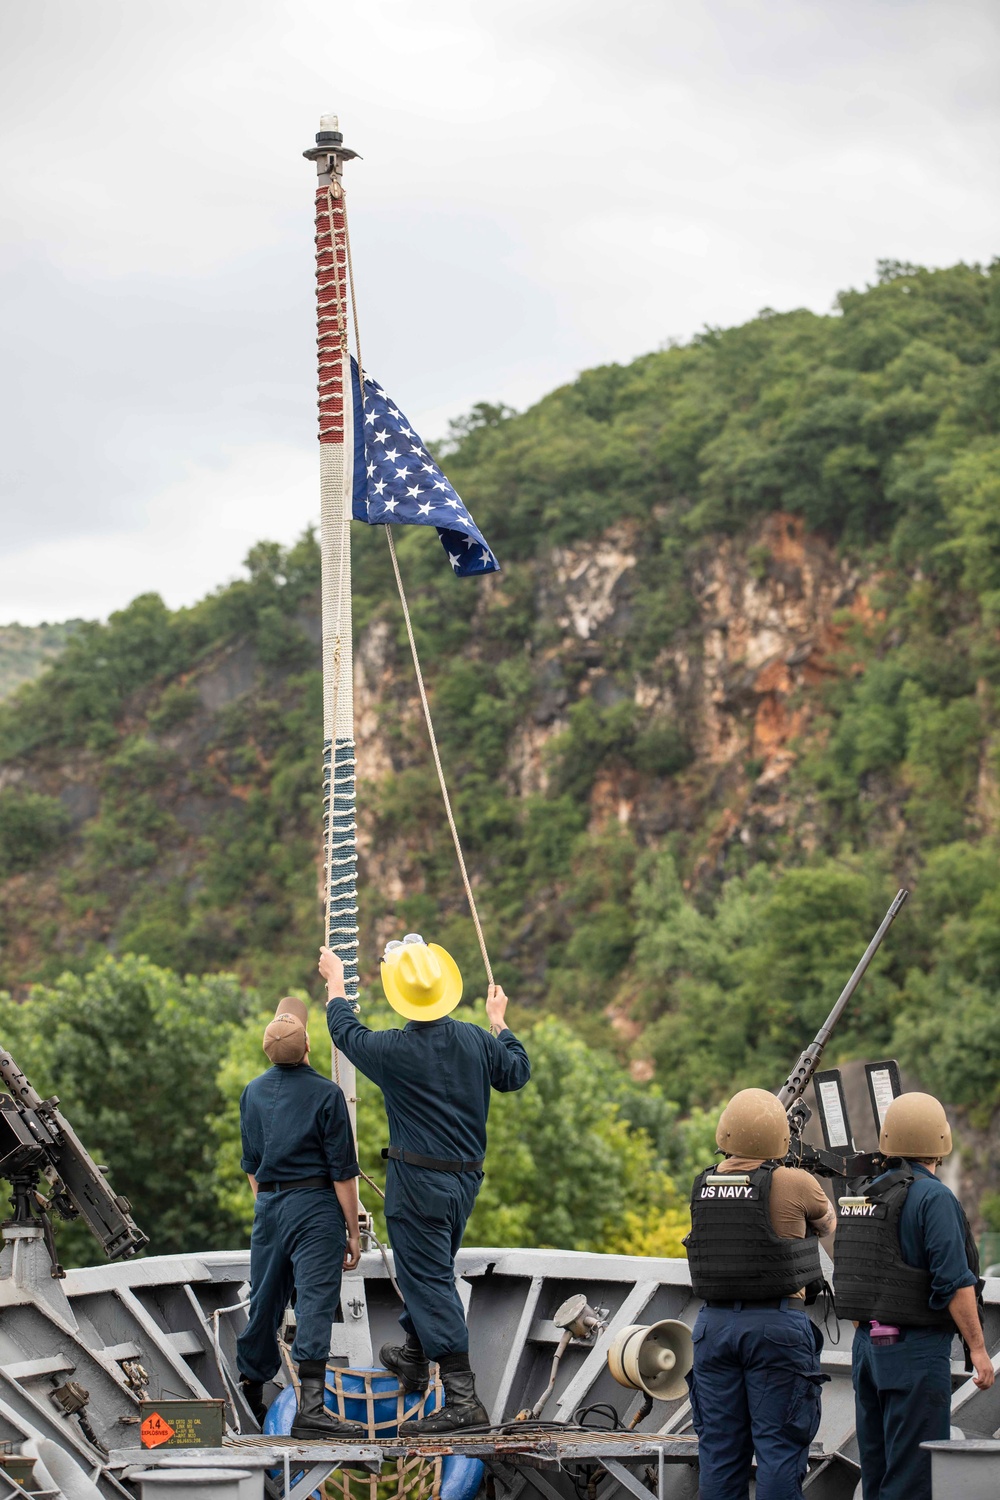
(437, 760)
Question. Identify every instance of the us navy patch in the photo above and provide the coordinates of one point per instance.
(732, 1190)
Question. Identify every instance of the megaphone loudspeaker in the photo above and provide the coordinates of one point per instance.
(653, 1357)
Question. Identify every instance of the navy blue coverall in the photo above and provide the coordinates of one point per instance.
(435, 1078)
(294, 1124)
(902, 1392)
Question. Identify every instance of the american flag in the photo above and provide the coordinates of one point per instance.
(396, 480)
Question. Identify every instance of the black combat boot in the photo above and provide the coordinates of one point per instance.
(312, 1420)
(253, 1395)
(462, 1407)
(407, 1362)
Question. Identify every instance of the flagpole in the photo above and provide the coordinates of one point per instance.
(336, 459)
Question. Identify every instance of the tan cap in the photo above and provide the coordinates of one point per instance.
(285, 1038)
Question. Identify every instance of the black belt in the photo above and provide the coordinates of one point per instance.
(287, 1187)
(412, 1159)
(768, 1302)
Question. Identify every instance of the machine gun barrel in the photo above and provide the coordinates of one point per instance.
(17, 1084)
(36, 1140)
(796, 1082)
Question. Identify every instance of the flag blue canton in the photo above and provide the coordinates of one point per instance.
(396, 480)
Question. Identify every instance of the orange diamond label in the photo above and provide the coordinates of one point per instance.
(155, 1430)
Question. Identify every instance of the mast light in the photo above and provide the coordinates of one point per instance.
(329, 141)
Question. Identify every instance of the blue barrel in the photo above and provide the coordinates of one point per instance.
(460, 1477)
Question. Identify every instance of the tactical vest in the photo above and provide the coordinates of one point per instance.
(733, 1251)
(870, 1277)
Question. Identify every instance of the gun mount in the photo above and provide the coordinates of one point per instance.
(838, 1159)
(37, 1143)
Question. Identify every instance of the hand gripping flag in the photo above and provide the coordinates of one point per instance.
(397, 481)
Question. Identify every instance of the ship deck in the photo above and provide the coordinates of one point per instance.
(301, 1466)
(165, 1328)
(547, 1446)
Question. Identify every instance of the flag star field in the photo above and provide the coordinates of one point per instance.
(397, 481)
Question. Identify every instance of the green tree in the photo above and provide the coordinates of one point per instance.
(133, 1053)
(971, 492)
(565, 1166)
(948, 1027)
(735, 991)
(31, 826)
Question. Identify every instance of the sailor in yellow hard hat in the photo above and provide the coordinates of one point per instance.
(421, 980)
(436, 1075)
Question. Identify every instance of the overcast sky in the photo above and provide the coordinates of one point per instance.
(546, 185)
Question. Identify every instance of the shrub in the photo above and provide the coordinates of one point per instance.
(31, 827)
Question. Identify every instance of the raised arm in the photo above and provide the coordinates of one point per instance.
(365, 1048)
(509, 1065)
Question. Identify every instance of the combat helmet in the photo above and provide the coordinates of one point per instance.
(915, 1125)
(753, 1123)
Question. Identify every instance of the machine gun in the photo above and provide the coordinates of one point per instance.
(36, 1142)
(839, 1159)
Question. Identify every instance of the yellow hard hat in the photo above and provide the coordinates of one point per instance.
(421, 980)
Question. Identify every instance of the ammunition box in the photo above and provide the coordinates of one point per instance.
(20, 1469)
(181, 1424)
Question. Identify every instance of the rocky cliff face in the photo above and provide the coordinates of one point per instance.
(773, 615)
(740, 679)
(736, 688)
(771, 611)
(740, 685)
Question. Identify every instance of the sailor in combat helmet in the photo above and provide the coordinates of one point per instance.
(906, 1271)
(755, 1383)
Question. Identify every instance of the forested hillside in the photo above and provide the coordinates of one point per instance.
(736, 682)
(25, 650)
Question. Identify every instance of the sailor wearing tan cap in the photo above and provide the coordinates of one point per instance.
(299, 1154)
(436, 1075)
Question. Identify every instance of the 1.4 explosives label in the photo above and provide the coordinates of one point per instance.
(155, 1430)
